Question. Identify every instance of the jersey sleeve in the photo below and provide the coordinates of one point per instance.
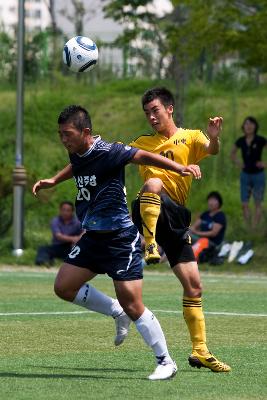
(134, 143)
(55, 226)
(220, 218)
(203, 215)
(138, 143)
(238, 142)
(121, 154)
(200, 145)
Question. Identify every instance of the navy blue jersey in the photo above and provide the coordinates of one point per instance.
(100, 178)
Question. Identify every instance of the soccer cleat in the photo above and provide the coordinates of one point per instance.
(208, 361)
(122, 323)
(163, 371)
(152, 255)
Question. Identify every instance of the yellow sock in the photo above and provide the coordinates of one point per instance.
(149, 210)
(195, 321)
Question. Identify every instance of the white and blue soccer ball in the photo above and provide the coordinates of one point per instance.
(80, 54)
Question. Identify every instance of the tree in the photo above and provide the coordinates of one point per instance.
(55, 32)
(79, 15)
(8, 59)
(142, 38)
(196, 35)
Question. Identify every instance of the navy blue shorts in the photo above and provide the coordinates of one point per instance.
(252, 184)
(116, 253)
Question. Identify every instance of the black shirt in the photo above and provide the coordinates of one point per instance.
(251, 153)
(207, 222)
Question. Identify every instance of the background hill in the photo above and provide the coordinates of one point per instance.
(117, 115)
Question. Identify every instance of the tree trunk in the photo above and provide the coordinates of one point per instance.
(179, 77)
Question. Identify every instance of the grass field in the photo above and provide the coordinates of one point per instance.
(54, 350)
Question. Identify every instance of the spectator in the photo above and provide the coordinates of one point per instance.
(66, 231)
(211, 225)
(252, 177)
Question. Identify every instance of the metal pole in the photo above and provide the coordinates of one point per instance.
(19, 173)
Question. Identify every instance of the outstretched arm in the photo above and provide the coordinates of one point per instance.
(63, 175)
(213, 131)
(143, 157)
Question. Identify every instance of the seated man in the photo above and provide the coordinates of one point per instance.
(210, 225)
(66, 231)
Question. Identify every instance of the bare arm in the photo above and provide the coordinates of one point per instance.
(262, 164)
(68, 238)
(63, 175)
(209, 234)
(195, 226)
(234, 157)
(143, 157)
(213, 131)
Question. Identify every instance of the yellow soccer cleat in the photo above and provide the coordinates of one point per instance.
(208, 361)
(152, 255)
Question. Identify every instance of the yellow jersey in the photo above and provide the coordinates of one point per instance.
(185, 147)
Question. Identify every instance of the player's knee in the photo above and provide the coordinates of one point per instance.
(153, 185)
(245, 206)
(133, 310)
(62, 292)
(194, 290)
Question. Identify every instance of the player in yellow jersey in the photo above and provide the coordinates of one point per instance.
(160, 213)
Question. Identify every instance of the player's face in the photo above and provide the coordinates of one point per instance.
(158, 115)
(74, 140)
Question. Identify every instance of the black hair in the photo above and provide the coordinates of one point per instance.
(69, 203)
(253, 121)
(217, 196)
(161, 93)
(77, 115)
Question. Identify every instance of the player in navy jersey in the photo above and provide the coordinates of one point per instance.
(111, 243)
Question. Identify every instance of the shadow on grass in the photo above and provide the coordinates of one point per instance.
(64, 376)
(85, 369)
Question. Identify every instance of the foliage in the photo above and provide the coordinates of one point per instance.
(142, 40)
(198, 35)
(79, 14)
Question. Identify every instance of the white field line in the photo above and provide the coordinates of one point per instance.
(152, 276)
(221, 313)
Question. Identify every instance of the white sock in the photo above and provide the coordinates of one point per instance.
(149, 327)
(94, 300)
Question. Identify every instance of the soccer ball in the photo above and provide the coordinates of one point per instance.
(80, 54)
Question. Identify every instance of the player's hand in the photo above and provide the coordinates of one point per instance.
(192, 169)
(214, 127)
(260, 164)
(43, 184)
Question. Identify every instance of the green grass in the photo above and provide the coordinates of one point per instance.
(68, 356)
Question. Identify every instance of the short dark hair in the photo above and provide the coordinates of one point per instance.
(253, 121)
(161, 93)
(77, 115)
(217, 196)
(69, 203)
